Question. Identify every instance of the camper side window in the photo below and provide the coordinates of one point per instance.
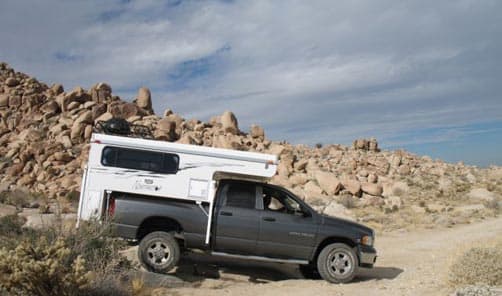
(241, 196)
(165, 163)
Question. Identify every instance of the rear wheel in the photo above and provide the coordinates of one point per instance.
(337, 263)
(159, 252)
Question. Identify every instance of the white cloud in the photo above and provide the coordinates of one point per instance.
(309, 72)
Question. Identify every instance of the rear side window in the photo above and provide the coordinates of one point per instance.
(166, 163)
(241, 196)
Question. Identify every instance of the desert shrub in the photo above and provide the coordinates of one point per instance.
(11, 226)
(44, 269)
(56, 262)
(72, 196)
(348, 201)
(491, 204)
(478, 265)
(20, 198)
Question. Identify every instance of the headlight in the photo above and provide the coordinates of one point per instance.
(367, 240)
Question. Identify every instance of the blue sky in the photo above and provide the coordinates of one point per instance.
(420, 75)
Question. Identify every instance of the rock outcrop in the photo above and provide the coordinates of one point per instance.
(44, 135)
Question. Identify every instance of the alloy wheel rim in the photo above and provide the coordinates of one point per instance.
(340, 264)
(158, 253)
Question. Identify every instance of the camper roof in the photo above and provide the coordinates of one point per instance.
(183, 148)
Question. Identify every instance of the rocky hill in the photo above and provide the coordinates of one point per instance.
(44, 133)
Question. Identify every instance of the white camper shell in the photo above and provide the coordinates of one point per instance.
(163, 169)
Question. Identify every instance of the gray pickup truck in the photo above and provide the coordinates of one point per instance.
(251, 220)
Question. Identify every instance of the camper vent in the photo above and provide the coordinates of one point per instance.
(121, 127)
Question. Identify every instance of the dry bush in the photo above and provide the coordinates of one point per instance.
(72, 196)
(478, 265)
(10, 229)
(20, 198)
(57, 262)
(43, 269)
(347, 201)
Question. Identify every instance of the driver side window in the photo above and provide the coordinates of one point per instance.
(278, 201)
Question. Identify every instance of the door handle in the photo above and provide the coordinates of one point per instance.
(226, 213)
(269, 219)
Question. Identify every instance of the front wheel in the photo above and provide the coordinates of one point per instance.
(337, 263)
(159, 252)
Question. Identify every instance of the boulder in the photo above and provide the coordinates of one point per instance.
(4, 100)
(51, 107)
(57, 89)
(283, 169)
(352, 186)
(11, 82)
(15, 101)
(372, 178)
(371, 200)
(98, 110)
(85, 117)
(78, 94)
(404, 170)
(257, 132)
(328, 182)
(72, 106)
(167, 112)
(144, 99)
(229, 122)
(337, 210)
(101, 92)
(312, 189)
(372, 189)
(373, 145)
(360, 144)
(298, 179)
(104, 117)
(396, 161)
(481, 194)
(166, 130)
(7, 210)
(77, 131)
(129, 110)
(363, 173)
(300, 165)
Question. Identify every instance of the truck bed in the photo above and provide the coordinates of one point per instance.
(134, 213)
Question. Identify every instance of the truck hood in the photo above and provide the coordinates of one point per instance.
(351, 225)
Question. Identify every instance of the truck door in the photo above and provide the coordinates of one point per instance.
(237, 219)
(285, 231)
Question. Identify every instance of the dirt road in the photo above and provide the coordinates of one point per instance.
(409, 263)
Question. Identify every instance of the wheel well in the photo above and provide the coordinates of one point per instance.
(157, 224)
(332, 240)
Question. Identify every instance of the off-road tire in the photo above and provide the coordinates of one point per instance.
(337, 263)
(159, 252)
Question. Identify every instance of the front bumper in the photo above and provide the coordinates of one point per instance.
(367, 256)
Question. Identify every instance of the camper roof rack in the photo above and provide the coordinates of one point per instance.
(121, 127)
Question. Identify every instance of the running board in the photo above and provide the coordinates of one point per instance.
(259, 258)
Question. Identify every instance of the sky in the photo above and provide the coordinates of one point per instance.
(424, 76)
